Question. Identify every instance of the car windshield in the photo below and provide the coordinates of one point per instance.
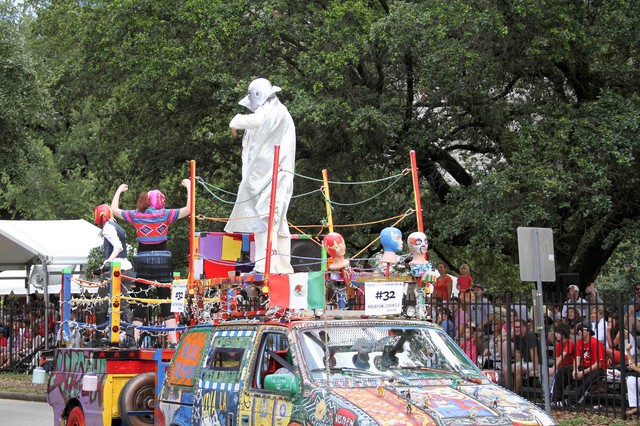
(402, 352)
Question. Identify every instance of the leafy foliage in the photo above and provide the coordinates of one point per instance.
(521, 113)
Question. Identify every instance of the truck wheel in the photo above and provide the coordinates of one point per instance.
(76, 417)
(137, 395)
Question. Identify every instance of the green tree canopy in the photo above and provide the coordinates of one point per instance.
(521, 112)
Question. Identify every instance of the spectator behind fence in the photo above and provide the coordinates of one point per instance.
(565, 351)
(460, 316)
(589, 367)
(526, 351)
(479, 310)
(4, 351)
(468, 342)
(615, 345)
(444, 283)
(444, 320)
(464, 281)
(633, 378)
(592, 295)
(599, 324)
(554, 312)
(513, 317)
(572, 319)
(491, 358)
(19, 341)
(635, 303)
(574, 300)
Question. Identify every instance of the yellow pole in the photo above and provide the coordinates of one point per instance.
(327, 201)
(116, 293)
(193, 249)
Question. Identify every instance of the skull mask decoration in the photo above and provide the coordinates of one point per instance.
(418, 245)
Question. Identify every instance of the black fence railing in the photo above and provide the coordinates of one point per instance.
(592, 370)
(22, 335)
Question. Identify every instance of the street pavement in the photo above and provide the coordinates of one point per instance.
(25, 413)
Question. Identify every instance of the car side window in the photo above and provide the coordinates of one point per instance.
(273, 358)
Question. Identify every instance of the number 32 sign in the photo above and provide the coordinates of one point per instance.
(383, 298)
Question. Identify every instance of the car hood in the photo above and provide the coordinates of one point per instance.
(473, 405)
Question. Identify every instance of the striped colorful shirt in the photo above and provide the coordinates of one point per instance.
(152, 225)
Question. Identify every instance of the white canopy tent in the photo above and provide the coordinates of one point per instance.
(55, 244)
(14, 283)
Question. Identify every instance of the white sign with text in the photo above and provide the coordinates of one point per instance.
(178, 296)
(383, 298)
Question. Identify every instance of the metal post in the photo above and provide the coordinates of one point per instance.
(509, 379)
(541, 330)
(66, 305)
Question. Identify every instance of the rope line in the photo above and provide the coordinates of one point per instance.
(403, 173)
(306, 193)
(143, 281)
(406, 214)
(331, 202)
(204, 184)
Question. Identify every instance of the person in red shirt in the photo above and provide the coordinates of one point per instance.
(4, 355)
(565, 357)
(464, 282)
(589, 366)
(468, 344)
(444, 283)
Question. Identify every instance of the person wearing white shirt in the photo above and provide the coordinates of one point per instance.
(115, 249)
(599, 324)
(575, 301)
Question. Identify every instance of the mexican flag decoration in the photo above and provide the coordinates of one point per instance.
(303, 290)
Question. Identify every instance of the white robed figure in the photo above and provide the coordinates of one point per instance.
(268, 125)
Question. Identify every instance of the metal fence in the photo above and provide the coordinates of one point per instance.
(503, 334)
(498, 333)
(22, 334)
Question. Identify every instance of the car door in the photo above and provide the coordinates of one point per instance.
(260, 406)
(217, 400)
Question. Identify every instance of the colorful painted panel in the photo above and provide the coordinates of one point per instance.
(65, 382)
(227, 359)
(387, 408)
(187, 363)
(217, 401)
(268, 411)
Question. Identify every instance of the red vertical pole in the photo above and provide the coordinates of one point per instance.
(272, 211)
(193, 250)
(416, 190)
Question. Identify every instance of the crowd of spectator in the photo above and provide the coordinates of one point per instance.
(21, 333)
(584, 340)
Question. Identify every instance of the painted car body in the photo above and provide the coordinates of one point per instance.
(335, 372)
(113, 369)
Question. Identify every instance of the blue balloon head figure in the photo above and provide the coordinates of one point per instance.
(391, 240)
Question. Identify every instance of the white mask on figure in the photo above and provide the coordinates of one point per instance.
(260, 90)
(418, 246)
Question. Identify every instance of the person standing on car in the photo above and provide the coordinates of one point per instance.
(153, 260)
(115, 250)
(269, 124)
